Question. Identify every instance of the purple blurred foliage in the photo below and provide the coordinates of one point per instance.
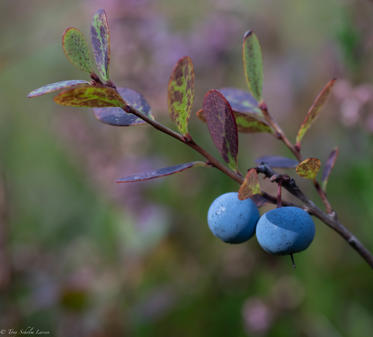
(257, 316)
(355, 104)
(156, 304)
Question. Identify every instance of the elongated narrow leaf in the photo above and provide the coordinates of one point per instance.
(181, 93)
(314, 111)
(100, 37)
(118, 117)
(46, 89)
(245, 123)
(222, 126)
(253, 64)
(160, 173)
(277, 161)
(241, 101)
(250, 185)
(90, 96)
(76, 49)
(329, 167)
(308, 168)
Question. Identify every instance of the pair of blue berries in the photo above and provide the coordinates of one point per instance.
(281, 231)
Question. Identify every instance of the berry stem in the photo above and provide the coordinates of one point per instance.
(293, 261)
(279, 195)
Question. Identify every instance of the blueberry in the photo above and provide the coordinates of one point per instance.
(232, 220)
(285, 230)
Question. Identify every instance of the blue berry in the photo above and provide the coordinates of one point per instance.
(232, 220)
(285, 230)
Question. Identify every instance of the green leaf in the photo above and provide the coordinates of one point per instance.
(250, 185)
(308, 168)
(46, 89)
(90, 96)
(181, 93)
(222, 126)
(245, 123)
(166, 171)
(76, 49)
(100, 37)
(118, 117)
(329, 167)
(253, 64)
(250, 124)
(314, 110)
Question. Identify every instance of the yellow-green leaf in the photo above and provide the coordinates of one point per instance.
(250, 185)
(76, 49)
(314, 110)
(253, 64)
(308, 168)
(250, 123)
(90, 96)
(181, 93)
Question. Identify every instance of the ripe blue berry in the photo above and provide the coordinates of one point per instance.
(232, 220)
(285, 230)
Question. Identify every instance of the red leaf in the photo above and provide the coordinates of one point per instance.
(222, 126)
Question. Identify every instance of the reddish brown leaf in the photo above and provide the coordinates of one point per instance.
(222, 126)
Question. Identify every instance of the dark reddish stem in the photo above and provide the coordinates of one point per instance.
(295, 149)
(286, 182)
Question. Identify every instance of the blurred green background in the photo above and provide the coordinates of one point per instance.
(83, 256)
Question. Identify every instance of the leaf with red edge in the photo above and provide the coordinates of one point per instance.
(222, 126)
(46, 89)
(250, 185)
(90, 96)
(241, 101)
(329, 167)
(308, 168)
(76, 49)
(314, 111)
(100, 38)
(277, 161)
(181, 93)
(166, 171)
(118, 117)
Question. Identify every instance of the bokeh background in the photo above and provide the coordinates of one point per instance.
(83, 256)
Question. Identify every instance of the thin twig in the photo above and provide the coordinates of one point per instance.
(286, 182)
(329, 219)
(296, 152)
